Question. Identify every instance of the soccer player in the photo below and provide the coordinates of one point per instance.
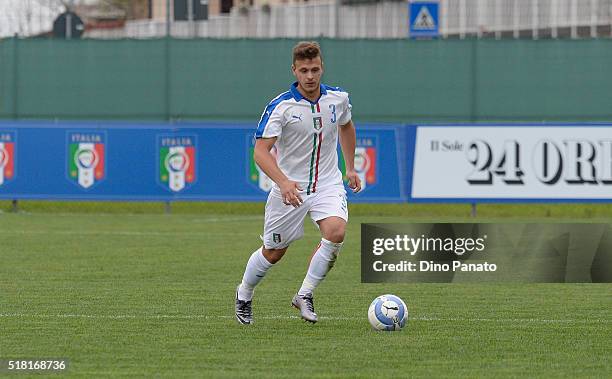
(304, 123)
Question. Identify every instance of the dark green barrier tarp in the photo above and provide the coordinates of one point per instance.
(389, 80)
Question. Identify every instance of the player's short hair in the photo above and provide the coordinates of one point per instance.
(306, 50)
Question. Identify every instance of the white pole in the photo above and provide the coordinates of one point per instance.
(444, 16)
(535, 19)
(363, 16)
(69, 26)
(574, 21)
(462, 18)
(515, 32)
(479, 18)
(554, 22)
(257, 14)
(191, 32)
(302, 28)
(41, 10)
(594, 14)
(498, 19)
(168, 18)
(272, 24)
(318, 27)
(336, 19)
(397, 23)
(379, 17)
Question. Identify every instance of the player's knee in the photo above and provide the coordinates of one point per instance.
(273, 255)
(332, 229)
(335, 235)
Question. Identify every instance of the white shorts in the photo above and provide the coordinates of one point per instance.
(284, 224)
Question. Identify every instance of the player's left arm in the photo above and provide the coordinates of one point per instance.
(348, 139)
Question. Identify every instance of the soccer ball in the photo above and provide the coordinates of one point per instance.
(388, 312)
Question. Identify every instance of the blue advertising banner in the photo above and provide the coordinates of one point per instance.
(396, 163)
(162, 162)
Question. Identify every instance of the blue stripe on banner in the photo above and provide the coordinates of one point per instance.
(265, 116)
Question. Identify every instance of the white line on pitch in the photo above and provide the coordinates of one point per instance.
(124, 233)
(76, 233)
(185, 217)
(284, 317)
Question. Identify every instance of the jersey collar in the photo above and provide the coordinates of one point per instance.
(298, 96)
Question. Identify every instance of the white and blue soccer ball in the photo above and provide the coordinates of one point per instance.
(388, 312)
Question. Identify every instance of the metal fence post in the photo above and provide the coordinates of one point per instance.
(515, 17)
(535, 22)
(498, 19)
(168, 18)
(480, 18)
(462, 18)
(554, 23)
(574, 19)
(191, 32)
(594, 17)
(444, 15)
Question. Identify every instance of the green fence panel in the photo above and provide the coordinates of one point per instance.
(91, 79)
(389, 80)
(227, 79)
(8, 77)
(544, 80)
(397, 80)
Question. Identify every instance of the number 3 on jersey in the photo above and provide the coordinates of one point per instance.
(333, 110)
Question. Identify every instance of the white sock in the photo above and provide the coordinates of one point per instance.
(322, 261)
(255, 270)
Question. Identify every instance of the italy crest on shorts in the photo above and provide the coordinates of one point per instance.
(366, 149)
(86, 158)
(256, 176)
(7, 156)
(177, 163)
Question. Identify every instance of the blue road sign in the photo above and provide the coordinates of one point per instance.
(423, 19)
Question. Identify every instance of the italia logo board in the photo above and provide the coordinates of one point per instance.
(7, 156)
(365, 161)
(256, 175)
(177, 165)
(86, 158)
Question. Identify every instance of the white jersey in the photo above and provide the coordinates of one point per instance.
(307, 135)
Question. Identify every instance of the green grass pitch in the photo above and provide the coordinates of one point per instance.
(151, 294)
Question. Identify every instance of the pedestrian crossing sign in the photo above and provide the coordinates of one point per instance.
(423, 18)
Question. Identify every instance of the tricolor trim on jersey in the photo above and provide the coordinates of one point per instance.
(316, 147)
(315, 157)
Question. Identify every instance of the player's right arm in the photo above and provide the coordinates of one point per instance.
(266, 161)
